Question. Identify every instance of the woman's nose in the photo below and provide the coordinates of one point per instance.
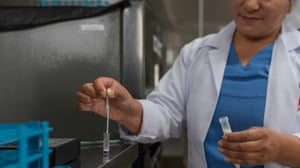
(252, 5)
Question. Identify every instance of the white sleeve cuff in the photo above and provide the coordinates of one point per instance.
(155, 126)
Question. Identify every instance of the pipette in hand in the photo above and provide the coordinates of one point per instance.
(224, 121)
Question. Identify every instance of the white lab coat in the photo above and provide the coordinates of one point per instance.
(188, 93)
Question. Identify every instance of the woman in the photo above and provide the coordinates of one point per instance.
(249, 71)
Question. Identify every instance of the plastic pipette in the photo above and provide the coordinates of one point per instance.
(106, 134)
(224, 121)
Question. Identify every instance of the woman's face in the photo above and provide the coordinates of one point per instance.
(259, 18)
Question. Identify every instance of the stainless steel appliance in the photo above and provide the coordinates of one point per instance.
(45, 60)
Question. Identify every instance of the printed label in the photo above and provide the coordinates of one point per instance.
(298, 110)
(92, 25)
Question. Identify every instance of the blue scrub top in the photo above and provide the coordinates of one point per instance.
(242, 98)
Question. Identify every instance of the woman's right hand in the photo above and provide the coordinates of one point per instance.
(124, 109)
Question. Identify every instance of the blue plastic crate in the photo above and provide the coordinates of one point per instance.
(85, 3)
(31, 140)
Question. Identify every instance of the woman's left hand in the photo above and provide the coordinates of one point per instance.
(255, 146)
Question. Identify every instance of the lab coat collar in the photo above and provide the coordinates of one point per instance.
(220, 45)
(287, 33)
(226, 33)
(290, 37)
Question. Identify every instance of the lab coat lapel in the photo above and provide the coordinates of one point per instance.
(218, 59)
(219, 54)
(283, 91)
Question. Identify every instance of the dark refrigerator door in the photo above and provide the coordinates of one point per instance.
(41, 69)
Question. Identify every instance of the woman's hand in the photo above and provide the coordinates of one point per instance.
(255, 146)
(260, 145)
(123, 108)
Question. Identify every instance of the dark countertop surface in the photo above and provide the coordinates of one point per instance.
(120, 155)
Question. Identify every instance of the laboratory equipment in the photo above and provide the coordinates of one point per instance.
(74, 41)
(106, 135)
(117, 39)
(224, 121)
(85, 3)
(31, 139)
